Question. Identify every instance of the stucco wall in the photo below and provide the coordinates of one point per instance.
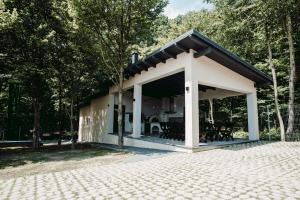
(97, 112)
(84, 124)
(127, 100)
(211, 73)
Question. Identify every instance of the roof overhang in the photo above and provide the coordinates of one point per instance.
(203, 46)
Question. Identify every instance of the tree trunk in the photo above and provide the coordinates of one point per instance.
(291, 111)
(211, 110)
(71, 122)
(120, 110)
(60, 114)
(271, 65)
(37, 117)
(36, 94)
(10, 110)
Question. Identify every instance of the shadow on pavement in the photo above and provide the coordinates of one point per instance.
(18, 156)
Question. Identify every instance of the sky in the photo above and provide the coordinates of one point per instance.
(181, 7)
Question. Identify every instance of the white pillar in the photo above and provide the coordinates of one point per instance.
(191, 109)
(253, 129)
(110, 113)
(137, 110)
(81, 124)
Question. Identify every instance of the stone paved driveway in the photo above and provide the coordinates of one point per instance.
(249, 171)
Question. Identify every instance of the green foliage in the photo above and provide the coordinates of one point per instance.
(273, 134)
(241, 134)
(40, 50)
(240, 26)
(63, 51)
(116, 28)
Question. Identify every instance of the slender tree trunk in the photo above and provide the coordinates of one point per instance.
(271, 65)
(36, 81)
(36, 129)
(291, 109)
(120, 110)
(73, 136)
(211, 110)
(60, 113)
(10, 109)
(71, 122)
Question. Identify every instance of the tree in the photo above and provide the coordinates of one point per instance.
(116, 26)
(283, 12)
(211, 110)
(274, 76)
(239, 25)
(292, 79)
(31, 47)
(263, 14)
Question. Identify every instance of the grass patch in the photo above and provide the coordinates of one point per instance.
(13, 157)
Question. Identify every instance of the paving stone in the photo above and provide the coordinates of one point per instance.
(250, 171)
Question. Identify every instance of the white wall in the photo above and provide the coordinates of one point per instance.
(84, 123)
(98, 114)
(213, 74)
(127, 100)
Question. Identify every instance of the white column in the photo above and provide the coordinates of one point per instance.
(137, 110)
(253, 129)
(110, 113)
(191, 109)
(80, 129)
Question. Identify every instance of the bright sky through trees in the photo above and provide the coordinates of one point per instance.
(181, 7)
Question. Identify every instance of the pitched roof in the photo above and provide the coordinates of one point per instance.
(198, 42)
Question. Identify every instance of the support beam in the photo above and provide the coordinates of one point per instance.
(156, 59)
(191, 109)
(181, 48)
(137, 68)
(169, 54)
(137, 110)
(131, 72)
(194, 39)
(204, 52)
(133, 69)
(253, 128)
(159, 60)
(148, 62)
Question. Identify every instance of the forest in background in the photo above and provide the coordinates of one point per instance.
(51, 58)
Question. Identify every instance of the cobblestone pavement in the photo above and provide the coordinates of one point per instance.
(248, 171)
